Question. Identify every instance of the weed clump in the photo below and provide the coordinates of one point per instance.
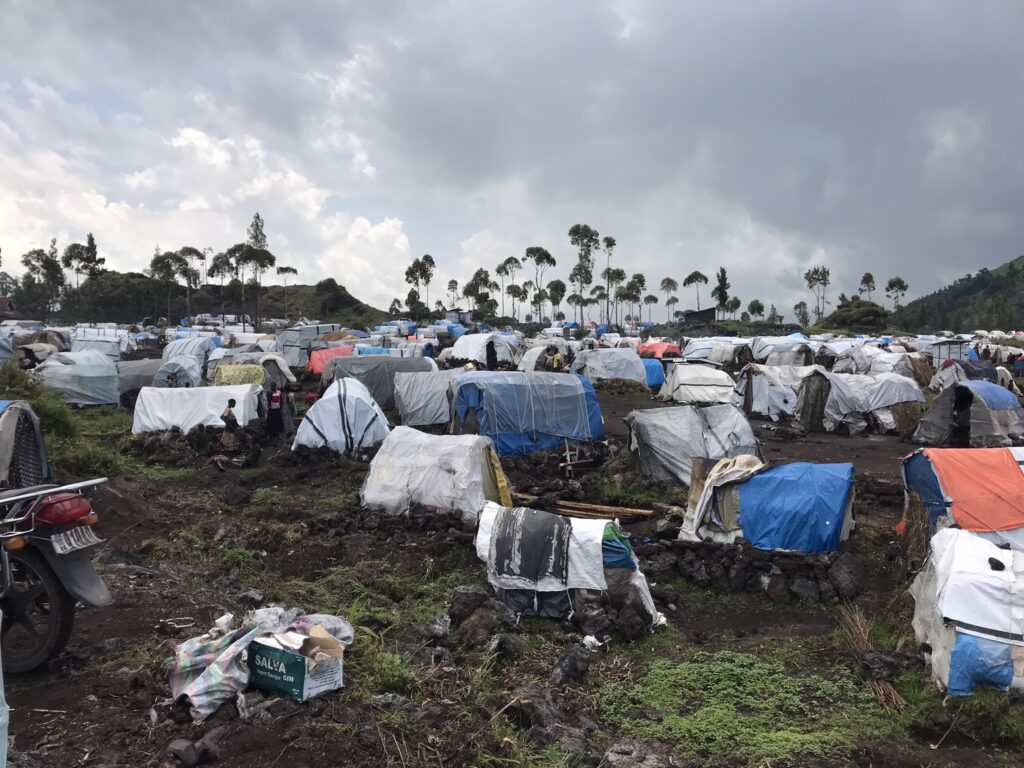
(734, 704)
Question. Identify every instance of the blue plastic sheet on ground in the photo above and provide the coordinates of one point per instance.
(797, 507)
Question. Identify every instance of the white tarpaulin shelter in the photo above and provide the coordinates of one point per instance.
(159, 409)
(345, 419)
(109, 348)
(179, 371)
(969, 609)
(473, 346)
(454, 473)
(770, 391)
(702, 348)
(198, 347)
(697, 384)
(852, 396)
(668, 439)
(424, 398)
(618, 363)
(123, 337)
(81, 378)
(536, 562)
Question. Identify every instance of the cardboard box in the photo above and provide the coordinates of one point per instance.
(297, 666)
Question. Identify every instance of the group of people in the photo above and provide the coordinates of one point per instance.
(281, 418)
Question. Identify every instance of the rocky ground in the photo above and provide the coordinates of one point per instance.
(440, 673)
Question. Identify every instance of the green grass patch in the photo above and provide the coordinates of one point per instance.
(735, 705)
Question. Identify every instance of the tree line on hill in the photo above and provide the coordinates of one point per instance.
(611, 296)
(190, 280)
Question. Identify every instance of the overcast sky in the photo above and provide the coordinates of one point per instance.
(765, 137)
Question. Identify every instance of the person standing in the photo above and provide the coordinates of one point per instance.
(229, 438)
(275, 418)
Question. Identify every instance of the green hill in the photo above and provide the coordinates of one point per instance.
(990, 299)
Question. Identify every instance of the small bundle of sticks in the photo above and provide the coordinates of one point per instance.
(858, 638)
(593, 511)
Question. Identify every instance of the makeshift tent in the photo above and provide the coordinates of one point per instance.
(954, 371)
(977, 489)
(542, 564)
(198, 347)
(293, 343)
(6, 350)
(668, 439)
(770, 392)
(828, 401)
(619, 363)
(697, 384)
(659, 349)
(995, 417)
(527, 412)
(180, 371)
(761, 347)
(159, 409)
(48, 336)
(125, 339)
(319, 357)
(969, 612)
(109, 348)
(376, 372)
(136, 374)
(22, 451)
(726, 351)
(488, 349)
(528, 362)
(1006, 381)
(796, 507)
(655, 372)
(239, 373)
(423, 398)
(449, 473)
(345, 419)
(81, 378)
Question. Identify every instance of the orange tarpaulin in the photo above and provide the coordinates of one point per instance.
(318, 357)
(985, 484)
(659, 349)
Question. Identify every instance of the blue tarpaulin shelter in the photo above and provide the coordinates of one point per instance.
(655, 372)
(796, 506)
(527, 412)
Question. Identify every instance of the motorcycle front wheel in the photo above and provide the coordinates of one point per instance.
(38, 614)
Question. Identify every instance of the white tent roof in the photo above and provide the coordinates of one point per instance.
(159, 409)
(81, 378)
(697, 384)
(617, 363)
(345, 419)
(700, 348)
(473, 346)
(197, 346)
(455, 473)
(109, 348)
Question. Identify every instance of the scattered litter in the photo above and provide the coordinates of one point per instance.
(211, 669)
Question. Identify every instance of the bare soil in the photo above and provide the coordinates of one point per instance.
(182, 545)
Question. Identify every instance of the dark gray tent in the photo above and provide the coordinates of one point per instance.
(375, 372)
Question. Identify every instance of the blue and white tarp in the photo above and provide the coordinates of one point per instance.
(800, 507)
(969, 609)
(527, 412)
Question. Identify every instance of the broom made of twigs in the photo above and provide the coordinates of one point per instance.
(857, 627)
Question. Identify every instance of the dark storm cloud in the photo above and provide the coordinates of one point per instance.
(765, 137)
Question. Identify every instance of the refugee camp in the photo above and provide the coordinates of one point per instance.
(555, 385)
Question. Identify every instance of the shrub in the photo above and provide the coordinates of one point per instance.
(54, 414)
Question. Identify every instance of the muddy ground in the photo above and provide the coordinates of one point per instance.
(734, 679)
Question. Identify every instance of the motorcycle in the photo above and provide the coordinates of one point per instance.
(45, 570)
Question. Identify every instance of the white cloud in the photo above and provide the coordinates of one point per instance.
(209, 151)
(144, 179)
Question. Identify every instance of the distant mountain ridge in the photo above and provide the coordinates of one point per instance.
(987, 300)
